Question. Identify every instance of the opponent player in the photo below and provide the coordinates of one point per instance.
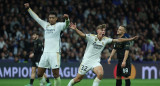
(51, 54)
(91, 58)
(35, 58)
(124, 65)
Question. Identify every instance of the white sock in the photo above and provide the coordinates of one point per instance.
(57, 81)
(96, 82)
(42, 81)
(71, 82)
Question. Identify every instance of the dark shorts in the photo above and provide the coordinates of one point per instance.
(125, 72)
(35, 64)
(35, 60)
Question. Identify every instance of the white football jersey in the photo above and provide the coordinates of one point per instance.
(94, 47)
(51, 33)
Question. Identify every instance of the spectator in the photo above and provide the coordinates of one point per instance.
(3, 57)
(155, 26)
(10, 57)
(2, 43)
(140, 17)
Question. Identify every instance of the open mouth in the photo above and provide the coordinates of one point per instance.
(102, 34)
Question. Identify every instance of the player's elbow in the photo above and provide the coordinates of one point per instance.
(100, 75)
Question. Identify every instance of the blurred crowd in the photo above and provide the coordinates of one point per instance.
(142, 17)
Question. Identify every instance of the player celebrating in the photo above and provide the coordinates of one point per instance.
(51, 54)
(35, 57)
(91, 58)
(124, 65)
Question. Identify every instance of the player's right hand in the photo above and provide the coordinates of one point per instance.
(26, 5)
(109, 61)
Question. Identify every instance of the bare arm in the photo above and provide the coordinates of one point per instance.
(125, 58)
(125, 39)
(112, 54)
(74, 27)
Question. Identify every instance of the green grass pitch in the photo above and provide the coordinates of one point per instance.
(84, 82)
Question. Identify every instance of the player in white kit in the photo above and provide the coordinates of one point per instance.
(51, 55)
(91, 58)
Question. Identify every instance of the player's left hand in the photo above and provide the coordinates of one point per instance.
(65, 16)
(123, 64)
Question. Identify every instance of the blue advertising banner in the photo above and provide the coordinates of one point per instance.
(147, 70)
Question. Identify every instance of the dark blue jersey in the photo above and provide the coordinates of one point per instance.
(120, 49)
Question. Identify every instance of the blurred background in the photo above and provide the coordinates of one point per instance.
(142, 17)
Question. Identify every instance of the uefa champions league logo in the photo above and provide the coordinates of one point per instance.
(90, 75)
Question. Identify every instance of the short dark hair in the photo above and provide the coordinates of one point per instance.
(53, 13)
(125, 28)
(101, 26)
(37, 33)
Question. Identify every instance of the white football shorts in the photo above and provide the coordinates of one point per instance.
(86, 66)
(50, 60)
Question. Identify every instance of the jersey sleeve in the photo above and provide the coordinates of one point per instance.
(37, 19)
(108, 40)
(88, 37)
(127, 45)
(64, 25)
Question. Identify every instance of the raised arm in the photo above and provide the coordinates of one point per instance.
(67, 21)
(74, 27)
(125, 39)
(35, 16)
(112, 54)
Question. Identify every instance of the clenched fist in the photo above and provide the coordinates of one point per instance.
(26, 5)
(65, 16)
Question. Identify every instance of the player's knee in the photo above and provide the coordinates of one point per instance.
(118, 77)
(126, 78)
(56, 75)
(39, 75)
(33, 71)
(100, 75)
